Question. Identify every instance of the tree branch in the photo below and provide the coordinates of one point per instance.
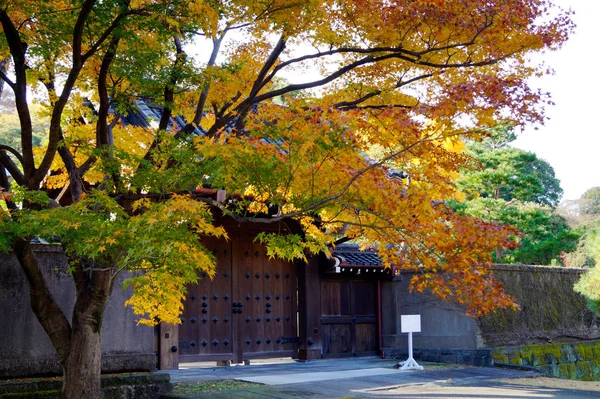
(169, 91)
(105, 35)
(16, 153)
(12, 168)
(204, 95)
(102, 123)
(5, 79)
(399, 84)
(43, 304)
(17, 50)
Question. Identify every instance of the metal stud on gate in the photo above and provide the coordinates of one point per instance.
(215, 342)
(204, 342)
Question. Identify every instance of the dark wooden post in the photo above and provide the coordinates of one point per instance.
(169, 347)
(309, 309)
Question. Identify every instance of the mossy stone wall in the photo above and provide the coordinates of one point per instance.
(575, 361)
(550, 310)
(118, 386)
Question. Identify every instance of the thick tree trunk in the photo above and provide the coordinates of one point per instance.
(79, 343)
(83, 366)
(82, 370)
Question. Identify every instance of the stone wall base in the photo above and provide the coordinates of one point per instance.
(473, 357)
(49, 366)
(132, 386)
(572, 360)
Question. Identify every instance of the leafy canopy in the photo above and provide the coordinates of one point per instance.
(400, 84)
(512, 186)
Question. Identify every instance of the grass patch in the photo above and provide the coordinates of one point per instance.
(184, 388)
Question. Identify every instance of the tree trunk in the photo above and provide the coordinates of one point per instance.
(82, 370)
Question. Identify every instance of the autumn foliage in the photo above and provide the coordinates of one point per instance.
(346, 116)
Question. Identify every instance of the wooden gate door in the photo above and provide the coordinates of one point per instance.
(266, 326)
(247, 311)
(349, 318)
(206, 331)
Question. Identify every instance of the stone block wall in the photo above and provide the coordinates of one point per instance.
(575, 361)
(25, 349)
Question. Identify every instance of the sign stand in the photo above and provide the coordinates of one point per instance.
(410, 324)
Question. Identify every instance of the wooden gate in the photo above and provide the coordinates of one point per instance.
(247, 311)
(349, 317)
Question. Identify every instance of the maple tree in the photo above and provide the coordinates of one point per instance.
(399, 85)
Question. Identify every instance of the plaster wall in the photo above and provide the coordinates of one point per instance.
(551, 311)
(25, 349)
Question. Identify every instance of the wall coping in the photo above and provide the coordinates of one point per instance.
(529, 268)
(39, 248)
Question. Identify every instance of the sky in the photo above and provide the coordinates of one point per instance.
(570, 139)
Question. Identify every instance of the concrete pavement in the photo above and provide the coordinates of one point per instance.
(371, 378)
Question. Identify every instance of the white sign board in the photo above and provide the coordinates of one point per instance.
(410, 323)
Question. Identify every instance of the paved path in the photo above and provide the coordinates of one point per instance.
(371, 378)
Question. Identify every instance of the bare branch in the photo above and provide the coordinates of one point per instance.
(16, 153)
(353, 104)
(17, 50)
(204, 95)
(5, 79)
(12, 168)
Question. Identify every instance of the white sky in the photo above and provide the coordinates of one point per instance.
(570, 140)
